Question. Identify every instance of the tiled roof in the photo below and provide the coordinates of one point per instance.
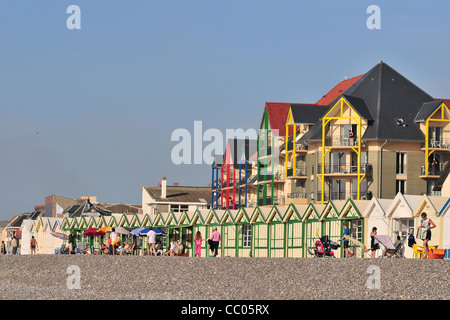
(338, 90)
(278, 112)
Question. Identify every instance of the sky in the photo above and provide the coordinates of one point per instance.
(91, 111)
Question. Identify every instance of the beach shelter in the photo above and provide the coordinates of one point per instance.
(432, 206)
(331, 224)
(401, 218)
(294, 229)
(260, 231)
(312, 225)
(244, 233)
(277, 233)
(351, 213)
(375, 216)
(229, 233)
(213, 220)
(198, 225)
(445, 216)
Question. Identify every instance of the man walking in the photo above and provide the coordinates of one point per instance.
(71, 242)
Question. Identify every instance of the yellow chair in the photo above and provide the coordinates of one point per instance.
(418, 252)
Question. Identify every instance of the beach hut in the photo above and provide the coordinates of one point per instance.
(198, 223)
(229, 233)
(445, 216)
(213, 220)
(351, 213)
(375, 216)
(432, 206)
(312, 225)
(401, 219)
(277, 233)
(331, 224)
(260, 231)
(293, 217)
(244, 233)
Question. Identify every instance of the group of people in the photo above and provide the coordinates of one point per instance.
(214, 242)
(13, 246)
(423, 233)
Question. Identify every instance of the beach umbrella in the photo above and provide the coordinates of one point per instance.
(60, 235)
(159, 232)
(121, 230)
(136, 232)
(93, 232)
(104, 229)
(144, 231)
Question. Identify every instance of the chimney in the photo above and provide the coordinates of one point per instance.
(163, 188)
(176, 184)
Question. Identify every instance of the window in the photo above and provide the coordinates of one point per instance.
(402, 227)
(246, 235)
(400, 186)
(401, 163)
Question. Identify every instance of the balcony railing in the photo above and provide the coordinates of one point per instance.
(344, 195)
(345, 169)
(341, 142)
(433, 170)
(296, 195)
(439, 144)
(299, 171)
(279, 175)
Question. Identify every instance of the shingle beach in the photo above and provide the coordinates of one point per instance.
(182, 278)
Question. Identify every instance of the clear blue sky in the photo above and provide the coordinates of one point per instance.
(91, 111)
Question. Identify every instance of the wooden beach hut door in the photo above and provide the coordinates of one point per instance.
(277, 237)
(186, 240)
(229, 240)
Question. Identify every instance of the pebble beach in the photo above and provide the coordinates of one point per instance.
(50, 277)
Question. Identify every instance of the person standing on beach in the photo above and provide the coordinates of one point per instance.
(345, 241)
(14, 245)
(216, 240)
(114, 240)
(151, 241)
(198, 244)
(71, 242)
(3, 249)
(373, 246)
(424, 231)
(33, 244)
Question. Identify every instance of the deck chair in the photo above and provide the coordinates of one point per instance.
(390, 249)
(79, 248)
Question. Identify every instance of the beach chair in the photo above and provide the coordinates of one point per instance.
(390, 250)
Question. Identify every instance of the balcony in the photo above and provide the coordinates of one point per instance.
(267, 177)
(345, 169)
(344, 195)
(296, 195)
(434, 172)
(300, 172)
(438, 145)
(342, 142)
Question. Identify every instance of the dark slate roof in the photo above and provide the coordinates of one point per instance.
(426, 110)
(85, 208)
(307, 113)
(384, 96)
(18, 222)
(34, 215)
(360, 106)
(388, 96)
